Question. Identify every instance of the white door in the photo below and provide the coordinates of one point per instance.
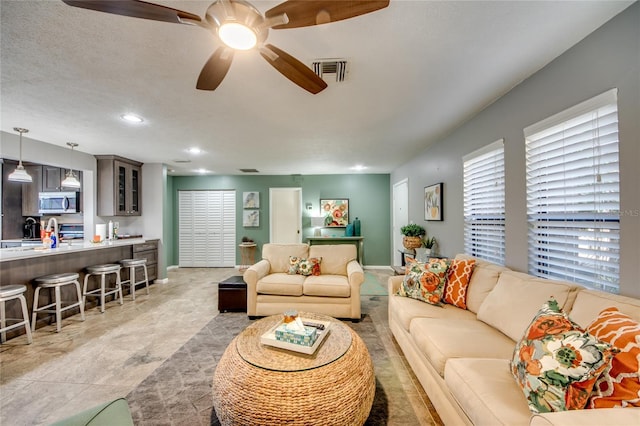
(206, 228)
(285, 215)
(400, 216)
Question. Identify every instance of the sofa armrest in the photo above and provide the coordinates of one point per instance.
(393, 283)
(355, 274)
(255, 272)
(591, 417)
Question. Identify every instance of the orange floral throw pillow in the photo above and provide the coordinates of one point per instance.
(455, 287)
(556, 363)
(424, 281)
(620, 385)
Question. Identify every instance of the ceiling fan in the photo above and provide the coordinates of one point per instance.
(240, 26)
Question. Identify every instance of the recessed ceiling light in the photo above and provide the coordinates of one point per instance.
(194, 150)
(202, 171)
(132, 118)
(358, 168)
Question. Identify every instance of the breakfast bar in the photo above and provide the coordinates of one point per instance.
(21, 265)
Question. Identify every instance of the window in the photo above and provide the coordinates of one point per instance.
(484, 209)
(573, 195)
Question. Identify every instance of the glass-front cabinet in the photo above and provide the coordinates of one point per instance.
(119, 186)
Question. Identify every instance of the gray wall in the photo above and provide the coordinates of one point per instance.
(609, 57)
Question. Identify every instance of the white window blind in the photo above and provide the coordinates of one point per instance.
(573, 195)
(484, 207)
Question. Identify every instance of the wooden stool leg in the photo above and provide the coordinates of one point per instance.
(25, 315)
(58, 309)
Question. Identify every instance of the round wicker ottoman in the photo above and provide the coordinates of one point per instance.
(255, 384)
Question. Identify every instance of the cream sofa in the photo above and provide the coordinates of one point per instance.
(335, 292)
(461, 357)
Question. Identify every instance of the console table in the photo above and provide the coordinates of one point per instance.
(358, 241)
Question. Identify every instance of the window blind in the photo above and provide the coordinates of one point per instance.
(573, 195)
(484, 205)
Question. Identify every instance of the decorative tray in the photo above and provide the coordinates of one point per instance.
(269, 338)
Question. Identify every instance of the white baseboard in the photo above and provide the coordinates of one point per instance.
(172, 267)
(161, 281)
(383, 267)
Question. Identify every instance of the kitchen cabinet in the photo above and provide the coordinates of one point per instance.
(30, 191)
(12, 219)
(119, 186)
(52, 178)
(147, 250)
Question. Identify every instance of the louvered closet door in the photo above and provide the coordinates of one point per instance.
(207, 228)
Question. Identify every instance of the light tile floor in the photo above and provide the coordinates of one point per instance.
(109, 354)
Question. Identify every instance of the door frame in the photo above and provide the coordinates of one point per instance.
(400, 203)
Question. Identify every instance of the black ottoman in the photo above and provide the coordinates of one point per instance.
(232, 295)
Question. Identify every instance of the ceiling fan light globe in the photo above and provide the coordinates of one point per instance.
(237, 36)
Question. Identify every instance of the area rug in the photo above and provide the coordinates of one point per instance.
(372, 286)
(179, 391)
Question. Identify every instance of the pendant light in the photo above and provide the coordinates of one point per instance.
(71, 181)
(20, 174)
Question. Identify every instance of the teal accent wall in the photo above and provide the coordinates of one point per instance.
(368, 194)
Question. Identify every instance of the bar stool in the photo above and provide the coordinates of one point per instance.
(132, 264)
(12, 292)
(103, 291)
(56, 281)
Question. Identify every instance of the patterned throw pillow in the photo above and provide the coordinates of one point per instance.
(455, 287)
(294, 264)
(618, 386)
(424, 281)
(557, 363)
(309, 266)
(302, 266)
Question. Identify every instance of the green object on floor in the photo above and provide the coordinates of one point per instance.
(111, 413)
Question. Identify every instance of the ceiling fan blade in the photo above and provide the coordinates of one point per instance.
(136, 9)
(304, 13)
(293, 69)
(215, 69)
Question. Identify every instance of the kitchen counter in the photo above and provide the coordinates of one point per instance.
(15, 253)
(21, 265)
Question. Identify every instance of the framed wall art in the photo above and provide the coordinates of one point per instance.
(335, 211)
(251, 200)
(433, 202)
(250, 218)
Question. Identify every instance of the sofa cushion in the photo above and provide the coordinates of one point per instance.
(334, 257)
(278, 255)
(281, 284)
(425, 281)
(557, 363)
(405, 310)
(441, 339)
(517, 297)
(589, 304)
(618, 386)
(486, 391)
(457, 282)
(484, 278)
(327, 285)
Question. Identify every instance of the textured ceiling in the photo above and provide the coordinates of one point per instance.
(417, 69)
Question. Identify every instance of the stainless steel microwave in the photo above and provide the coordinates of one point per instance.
(58, 202)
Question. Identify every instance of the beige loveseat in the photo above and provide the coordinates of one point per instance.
(335, 292)
(461, 357)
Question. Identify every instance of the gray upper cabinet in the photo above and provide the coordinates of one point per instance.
(52, 178)
(119, 186)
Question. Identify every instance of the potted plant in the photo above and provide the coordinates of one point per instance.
(428, 244)
(413, 234)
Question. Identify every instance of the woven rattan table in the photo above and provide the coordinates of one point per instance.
(256, 384)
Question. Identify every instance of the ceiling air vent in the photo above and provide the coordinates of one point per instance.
(249, 170)
(331, 70)
(181, 161)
